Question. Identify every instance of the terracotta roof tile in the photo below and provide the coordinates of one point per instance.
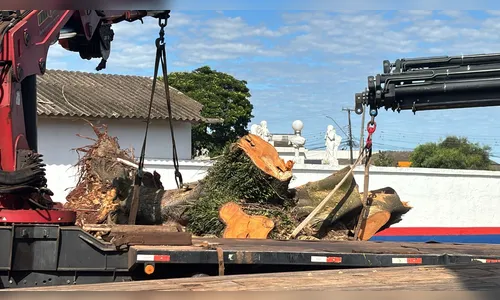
(79, 94)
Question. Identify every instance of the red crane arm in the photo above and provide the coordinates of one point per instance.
(25, 38)
(26, 44)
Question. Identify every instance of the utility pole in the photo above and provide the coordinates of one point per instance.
(361, 141)
(350, 131)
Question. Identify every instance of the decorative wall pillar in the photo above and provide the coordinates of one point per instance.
(297, 140)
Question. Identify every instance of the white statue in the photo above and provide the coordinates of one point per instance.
(262, 131)
(332, 143)
(254, 129)
(265, 134)
(202, 154)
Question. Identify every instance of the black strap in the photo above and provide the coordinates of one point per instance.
(178, 175)
(160, 56)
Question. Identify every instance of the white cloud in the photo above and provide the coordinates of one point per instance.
(56, 51)
(423, 13)
(303, 64)
(493, 12)
(361, 34)
(453, 13)
(342, 39)
(236, 48)
(191, 38)
(230, 28)
(199, 52)
(433, 31)
(129, 30)
(349, 62)
(57, 65)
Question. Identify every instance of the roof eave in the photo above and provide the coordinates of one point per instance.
(73, 117)
(213, 120)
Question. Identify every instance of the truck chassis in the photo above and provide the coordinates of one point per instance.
(53, 255)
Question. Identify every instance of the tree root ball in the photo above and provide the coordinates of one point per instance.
(94, 195)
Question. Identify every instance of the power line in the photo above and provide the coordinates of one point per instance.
(338, 126)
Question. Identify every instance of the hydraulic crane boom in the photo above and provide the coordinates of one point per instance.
(25, 37)
(432, 83)
(429, 83)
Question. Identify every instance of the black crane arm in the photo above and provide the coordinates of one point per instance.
(432, 83)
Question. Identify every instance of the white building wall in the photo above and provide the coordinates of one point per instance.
(440, 198)
(288, 153)
(444, 198)
(57, 137)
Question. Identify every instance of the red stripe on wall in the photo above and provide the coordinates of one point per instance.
(428, 231)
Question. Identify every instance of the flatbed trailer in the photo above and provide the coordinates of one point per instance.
(43, 255)
(427, 278)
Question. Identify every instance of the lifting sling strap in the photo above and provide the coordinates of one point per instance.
(160, 57)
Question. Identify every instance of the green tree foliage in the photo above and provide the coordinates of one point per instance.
(235, 178)
(223, 97)
(384, 160)
(452, 153)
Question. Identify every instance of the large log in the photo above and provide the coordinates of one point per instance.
(240, 225)
(265, 157)
(103, 191)
(127, 235)
(175, 203)
(345, 206)
(385, 209)
(344, 202)
(249, 173)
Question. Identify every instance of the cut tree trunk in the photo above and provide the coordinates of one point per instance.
(127, 235)
(240, 225)
(346, 201)
(346, 206)
(175, 203)
(250, 173)
(385, 208)
(104, 187)
(265, 157)
(119, 229)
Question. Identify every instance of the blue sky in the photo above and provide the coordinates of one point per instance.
(308, 65)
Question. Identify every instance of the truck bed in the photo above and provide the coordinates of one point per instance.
(453, 278)
(333, 253)
(39, 255)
